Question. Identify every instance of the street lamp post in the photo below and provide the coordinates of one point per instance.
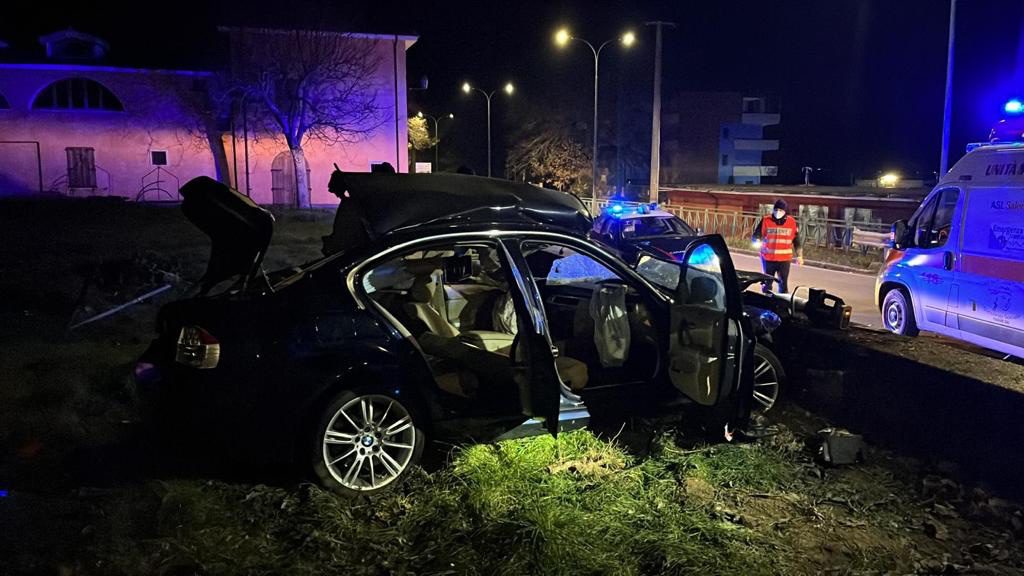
(562, 38)
(947, 108)
(654, 187)
(468, 89)
(437, 135)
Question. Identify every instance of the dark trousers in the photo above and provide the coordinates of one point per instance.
(778, 270)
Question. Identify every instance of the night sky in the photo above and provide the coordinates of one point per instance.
(860, 81)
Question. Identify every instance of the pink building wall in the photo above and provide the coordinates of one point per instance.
(159, 114)
(154, 118)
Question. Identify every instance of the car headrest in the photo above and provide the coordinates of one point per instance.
(423, 288)
(702, 290)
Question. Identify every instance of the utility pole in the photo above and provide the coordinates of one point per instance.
(656, 112)
(947, 111)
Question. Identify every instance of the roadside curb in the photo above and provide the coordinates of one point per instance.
(814, 263)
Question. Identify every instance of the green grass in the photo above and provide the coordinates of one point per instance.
(572, 505)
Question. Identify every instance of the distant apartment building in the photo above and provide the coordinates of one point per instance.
(718, 137)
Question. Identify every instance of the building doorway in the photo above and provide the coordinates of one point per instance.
(282, 175)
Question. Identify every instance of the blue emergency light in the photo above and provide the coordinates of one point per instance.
(618, 210)
(1009, 129)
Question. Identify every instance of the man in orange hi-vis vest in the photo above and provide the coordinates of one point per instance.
(779, 239)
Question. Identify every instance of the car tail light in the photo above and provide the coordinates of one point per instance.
(197, 348)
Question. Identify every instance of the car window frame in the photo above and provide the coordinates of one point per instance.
(602, 255)
(940, 200)
(927, 210)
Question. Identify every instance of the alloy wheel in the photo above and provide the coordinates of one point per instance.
(369, 442)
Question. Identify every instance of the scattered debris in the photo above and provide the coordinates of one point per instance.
(117, 309)
(841, 447)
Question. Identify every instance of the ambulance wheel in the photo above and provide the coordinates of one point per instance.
(898, 313)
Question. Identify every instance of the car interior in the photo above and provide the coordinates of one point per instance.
(594, 315)
(457, 305)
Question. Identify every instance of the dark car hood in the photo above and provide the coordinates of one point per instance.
(748, 278)
(239, 230)
(673, 245)
(391, 202)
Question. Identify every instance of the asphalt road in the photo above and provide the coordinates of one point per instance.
(857, 290)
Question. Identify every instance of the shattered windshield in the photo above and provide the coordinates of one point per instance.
(662, 273)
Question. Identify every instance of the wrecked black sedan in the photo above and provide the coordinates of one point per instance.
(473, 305)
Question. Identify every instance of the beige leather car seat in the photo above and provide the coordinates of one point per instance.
(426, 305)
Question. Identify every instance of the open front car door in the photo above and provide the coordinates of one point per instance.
(710, 351)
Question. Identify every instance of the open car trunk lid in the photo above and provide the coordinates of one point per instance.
(238, 228)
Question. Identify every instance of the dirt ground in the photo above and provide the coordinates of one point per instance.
(955, 357)
(77, 496)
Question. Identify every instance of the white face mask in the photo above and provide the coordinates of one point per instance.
(779, 214)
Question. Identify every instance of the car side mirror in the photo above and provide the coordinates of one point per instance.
(699, 231)
(898, 236)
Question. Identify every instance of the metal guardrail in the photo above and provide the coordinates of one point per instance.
(823, 232)
(868, 239)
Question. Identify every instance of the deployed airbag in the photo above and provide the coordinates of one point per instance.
(611, 324)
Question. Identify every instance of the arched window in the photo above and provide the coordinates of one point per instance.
(77, 94)
(3, 103)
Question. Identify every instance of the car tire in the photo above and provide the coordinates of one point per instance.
(898, 313)
(366, 442)
(769, 379)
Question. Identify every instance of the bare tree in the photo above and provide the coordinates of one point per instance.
(308, 84)
(547, 152)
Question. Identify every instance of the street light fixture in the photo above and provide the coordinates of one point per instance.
(562, 38)
(437, 134)
(889, 180)
(468, 88)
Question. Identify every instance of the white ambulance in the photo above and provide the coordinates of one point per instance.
(957, 266)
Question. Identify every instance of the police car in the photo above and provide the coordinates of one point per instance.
(635, 229)
(957, 266)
